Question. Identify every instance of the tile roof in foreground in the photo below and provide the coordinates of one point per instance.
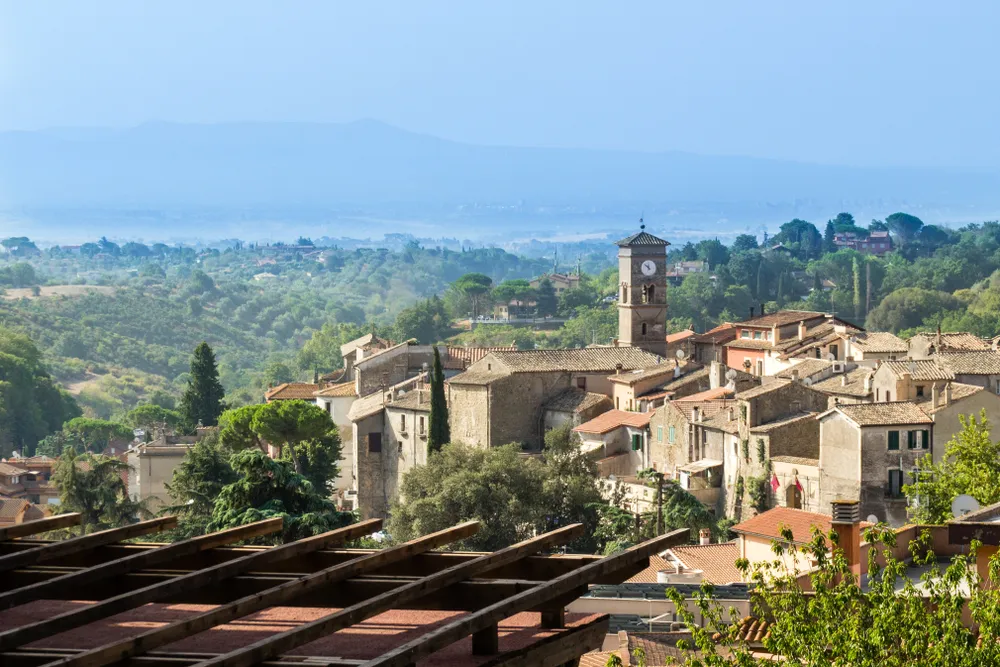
(782, 318)
(954, 341)
(854, 385)
(801, 523)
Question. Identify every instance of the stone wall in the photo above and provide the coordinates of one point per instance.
(515, 406)
(783, 401)
(469, 414)
(372, 498)
(665, 455)
(876, 461)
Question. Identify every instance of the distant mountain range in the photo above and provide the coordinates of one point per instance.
(369, 164)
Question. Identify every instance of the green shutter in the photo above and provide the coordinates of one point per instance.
(659, 434)
(893, 439)
(911, 439)
(672, 434)
(925, 439)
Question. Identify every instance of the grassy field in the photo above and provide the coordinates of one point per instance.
(13, 294)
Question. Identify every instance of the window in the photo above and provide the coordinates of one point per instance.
(624, 293)
(819, 353)
(671, 434)
(996, 386)
(659, 434)
(833, 350)
(920, 391)
(758, 335)
(421, 427)
(636, 442)
(877, 391)
(893, 439)
(895, 486)
(643, 328)
(581, 383)
(760, 367)
(402, 423)
(329, 407)
(925, 439)
(374, 443)
(744, 333)
(618, 403)
(888, 396)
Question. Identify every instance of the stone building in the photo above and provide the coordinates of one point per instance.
(573, 407)
(336, 400)
(875, 346)
(866, 453)
(500, 399)
(909, 380)
(948, 402)
(926, 345)
(710, 346)
(851, 386)
(980, 368)
(152, 466)
(642, 296)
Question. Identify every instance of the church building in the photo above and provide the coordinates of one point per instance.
(642, 297)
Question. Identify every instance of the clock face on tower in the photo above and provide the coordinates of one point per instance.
(648, 268)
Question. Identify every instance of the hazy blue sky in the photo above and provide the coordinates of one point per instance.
(907, 82)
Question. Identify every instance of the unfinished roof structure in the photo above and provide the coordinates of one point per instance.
(95, 600)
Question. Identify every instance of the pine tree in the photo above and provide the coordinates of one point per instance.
(202, 400)
(440, 432)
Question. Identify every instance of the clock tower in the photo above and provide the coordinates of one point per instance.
(642, 292)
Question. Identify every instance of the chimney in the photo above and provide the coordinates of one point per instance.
(696, 414)
(934, 395)
(704, 537)
(868, 382)
(715, 375)
(795, 375)
(843, 380)
(947, 394)
(802, 330)
(847, 525)
(618, 369)
(751, 312)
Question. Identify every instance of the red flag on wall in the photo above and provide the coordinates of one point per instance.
(774, 482)
(798, 484)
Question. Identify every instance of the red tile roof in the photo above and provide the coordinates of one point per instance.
(288, 391)
(716, 561)
(800, 522)
(338, 390)
(708, 395)
(612, 419)
(679, 336)
(720, 334)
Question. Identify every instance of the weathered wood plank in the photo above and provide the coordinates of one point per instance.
(73, 545)
(112, 652)
(39, 526)
(192, 581)
(449, 633)
(557, 649)
(276, 645)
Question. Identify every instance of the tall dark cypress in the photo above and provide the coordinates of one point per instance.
(440, 432)
(202, 400)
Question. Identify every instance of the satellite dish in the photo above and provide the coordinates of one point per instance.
(872, 519)
(680, 354)
(963, 504)
(731, 374)
(912, 367)
(807, 382)
(831, 357)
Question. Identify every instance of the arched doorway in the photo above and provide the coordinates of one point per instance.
(793, 496)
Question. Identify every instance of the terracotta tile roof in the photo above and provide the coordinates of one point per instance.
(612, 419)
(720, 334)
(641, 238)
(11, 508)
(716, 561)
(419, 401)
(782, 422)
(289, 391)
(750, 344)
(648, 576)
(981, 362)
(920, 369)
(596, 658)
(879, 341)
(959, 391)
(956, 340)
(496, 365)
(782, 318)
(855, 385)
(383, 350)
(471, 355)
(694, 375)
(660, 649)
(767, 524)
(367, 341)
(7, 470)
(898, 413)
(679, 336)
(638, 375)
(805, 369)
(709, 394)
(765, 388)
(796, 460)
(372, 404)
(576, 401)
(338, 390)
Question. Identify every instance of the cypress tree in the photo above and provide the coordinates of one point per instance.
(202, 400)
(857, 290)
(440, 433)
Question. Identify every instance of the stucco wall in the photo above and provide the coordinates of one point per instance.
(839, 460)
(666, 456)
(947, 424)
(876, 461)
(808, 477)
(469, 414)
(372, 498)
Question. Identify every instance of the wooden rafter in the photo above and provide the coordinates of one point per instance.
(84, 543)
(192, 581)
(139, 561)
(409, 653)
(303, 634)
(558, 649)
(278, 595)
(39, 526)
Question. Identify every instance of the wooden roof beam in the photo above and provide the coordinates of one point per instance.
(192, 581)
(419, 648)
(39, 526)
(115, 651)
(285, 641)
(83, 543)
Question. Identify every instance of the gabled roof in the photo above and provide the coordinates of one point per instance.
(855, 385)
(765, 388)
(679, 336)
(7, 470)
(11, 508)
(289, 391)
(781, 422)
(344, 389)
(781, 318)
(639, 374)
(707, 395)
(612, 419)
(921, 370)
(576, 401)
(717, 562)
(801, 523)
(362, 342)
(471, 355)
(955, 340)
(720, 334)
(959, 391)
(805, 369)
(979, 362)
(897, 413)
(581, 360)
(642, 238)
(879, 341)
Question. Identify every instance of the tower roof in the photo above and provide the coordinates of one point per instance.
(641, 238)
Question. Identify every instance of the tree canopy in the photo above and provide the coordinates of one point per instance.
(202, 401)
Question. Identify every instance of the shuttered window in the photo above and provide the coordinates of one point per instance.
(893, 439)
